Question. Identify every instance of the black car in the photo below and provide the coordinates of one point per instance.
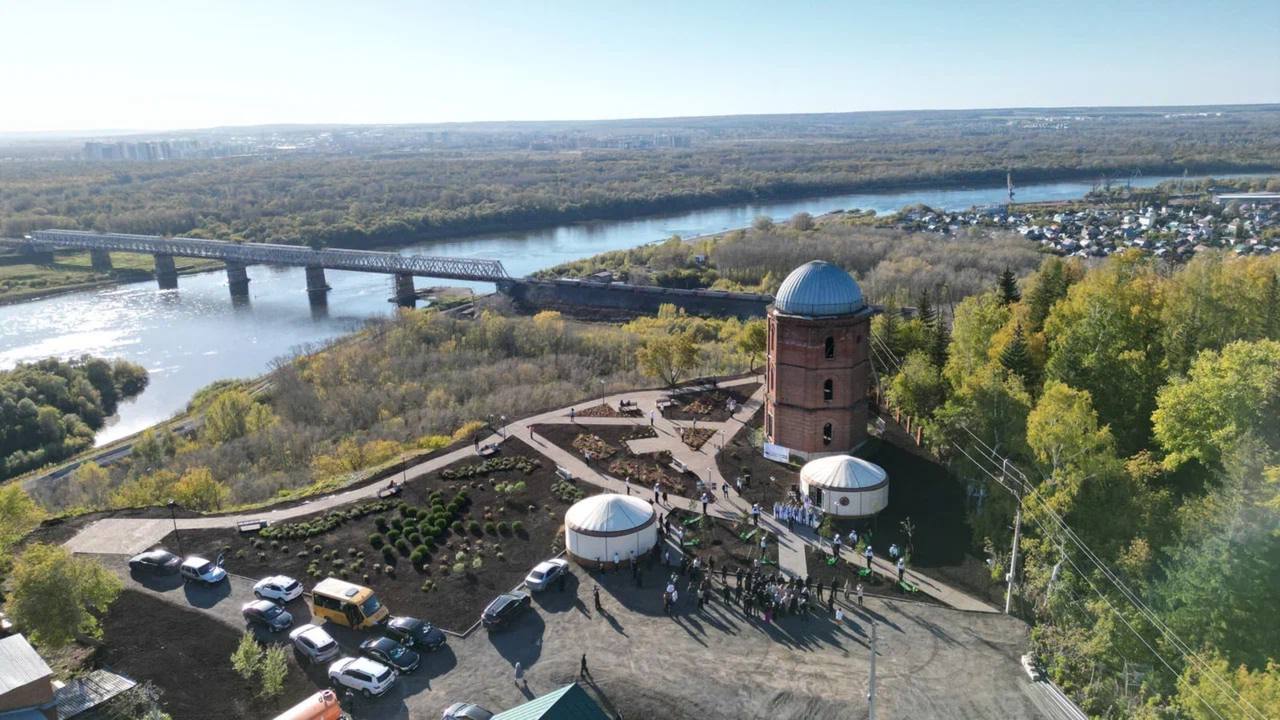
(391, 653)
(274, 617)
(414, 633)
(156, 561)
(504, 607)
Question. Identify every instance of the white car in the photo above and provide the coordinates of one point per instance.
(546, 573)
(313, 643)
(279, 588)
(196, 568)
(365, 676)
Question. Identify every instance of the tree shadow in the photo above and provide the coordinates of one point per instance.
(552, 600)
(206, 596)
(520, 640)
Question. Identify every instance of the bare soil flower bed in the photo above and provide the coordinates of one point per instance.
(710, 405)
(510, 521)
(696, 437)
(604, 410)
(147, 638)
(564, 435)
(593, 447)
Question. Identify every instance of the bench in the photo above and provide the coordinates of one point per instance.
(679, 467)
(246, 526)
(487, 450)
(563, 473)
(664, 403)
(389, 491)
(626, 404)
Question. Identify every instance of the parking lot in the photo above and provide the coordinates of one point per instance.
(932, 661)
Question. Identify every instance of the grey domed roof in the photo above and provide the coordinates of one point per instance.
(819, 288)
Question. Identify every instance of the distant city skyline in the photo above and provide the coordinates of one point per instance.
(141, 65)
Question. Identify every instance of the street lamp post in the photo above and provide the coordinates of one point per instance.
(177, 535)
(503, 430)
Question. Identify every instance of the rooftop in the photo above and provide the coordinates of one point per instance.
(570, 702)
(819, 288)
(20, 664)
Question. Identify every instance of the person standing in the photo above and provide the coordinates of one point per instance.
(893, 551)
(656, 490)
(595, 593)
(840, 616)
(859, 594)
(650, 418)
(572, 414)
(664, 497)
(705, 500)
(902, 566)
(583, 672)
(868, 553)
(520, 674)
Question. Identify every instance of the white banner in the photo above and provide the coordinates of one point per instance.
(777, 453)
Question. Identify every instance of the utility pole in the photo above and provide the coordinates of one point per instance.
(1013, 553)
(871, 685)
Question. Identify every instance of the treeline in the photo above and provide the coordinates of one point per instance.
(415, 383)
(1143, 404)
(50, 409)
(414, 195)
(892, 266)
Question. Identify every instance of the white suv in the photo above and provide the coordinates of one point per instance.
(313, 643)
(368, 677)
(278, 588)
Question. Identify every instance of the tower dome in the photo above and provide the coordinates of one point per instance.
(818, 289)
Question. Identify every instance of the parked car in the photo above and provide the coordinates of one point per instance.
(504, 607)
(280, 588)
(313, 643)
(365, 676)
(265, 612)
(197, 569)
(414, 633)
(465, 711)
(391, 653)
(546, 573)
(157, 561)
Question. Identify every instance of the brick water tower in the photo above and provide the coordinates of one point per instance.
(818, 369)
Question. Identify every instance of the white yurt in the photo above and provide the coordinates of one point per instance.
(845, 486)
(597, 527)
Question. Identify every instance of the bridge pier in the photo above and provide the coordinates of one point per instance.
(166, 272)
(237, 279)
(317, 288)
(100, 260)
(405, 296)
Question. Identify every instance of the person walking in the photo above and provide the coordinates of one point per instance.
(893, 551)
(902, 566)
(650, 418)
(840, 616)
(656, 490)
(583, 671)
(595, 592)
(520, 674)
(572, 414)
(705, 500)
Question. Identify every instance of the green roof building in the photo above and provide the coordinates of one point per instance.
(570, 702)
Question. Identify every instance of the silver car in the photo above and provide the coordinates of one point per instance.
(313, 643)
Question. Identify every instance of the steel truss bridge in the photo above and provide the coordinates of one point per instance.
(390, 263)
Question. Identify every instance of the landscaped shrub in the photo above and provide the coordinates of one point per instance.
(473, 527)
(457, 526)
(490, 528)
(429, 543)
(303, 554)
(389, 554)
(459, 568)
(380, 523)
(403, 546)
(352, 551)
(375, 540)
(317, 549)
(409, 513)
(338, 564)
(419, 556)
(397, 523)
(322, 524)
(517, 526)
(477, 563)
(492, 465)
(427, 585)
(567, 492)
(393, 536)
(504, 528)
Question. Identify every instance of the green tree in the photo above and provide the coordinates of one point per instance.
(19, 515)
(669, 358)
(977, 319)
(939, 342)
(91, 485)
(751, 340)
(1016, 360)
(197, 489)
(247, 657)
(1046, 287)
(1225, 395)
(272, 671)
(226, 418)
(1203, 698)
(153, 447)
(1063, 431)
(1008, 287)
(924, 309)
(917, 388)
(992, 406)
(57, 596)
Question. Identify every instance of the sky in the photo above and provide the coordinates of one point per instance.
(134, 64)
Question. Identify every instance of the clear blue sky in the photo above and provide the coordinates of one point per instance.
(184, 64)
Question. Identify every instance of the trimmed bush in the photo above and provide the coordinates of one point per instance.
(393, 536)
(375, 540)
(429, 543)
(457, 526)
(473, 527)
(459, 568)
(403, 546)
(490, 528)
(389, 554)
(380, 523)
(504, 528)
(415, 539)
(419, 556)
(517, 526)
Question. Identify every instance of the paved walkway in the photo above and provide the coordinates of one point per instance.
(126, 536)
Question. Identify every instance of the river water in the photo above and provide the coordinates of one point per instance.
(192, 336)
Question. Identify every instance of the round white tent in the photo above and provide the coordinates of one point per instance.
(601, 526)
(845, 486)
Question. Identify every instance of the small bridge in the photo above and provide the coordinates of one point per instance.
(239, 255)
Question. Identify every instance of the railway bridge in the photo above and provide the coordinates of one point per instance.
(237, 256)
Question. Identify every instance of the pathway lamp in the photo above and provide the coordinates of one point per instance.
(173, 505)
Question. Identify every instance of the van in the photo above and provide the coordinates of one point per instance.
(321, 706)
(345, 603)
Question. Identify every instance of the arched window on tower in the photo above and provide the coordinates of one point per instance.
(828, 390)
(826, 434)
(830, 347)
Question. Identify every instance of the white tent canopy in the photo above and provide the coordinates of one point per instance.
(845, 486)
(602, 526)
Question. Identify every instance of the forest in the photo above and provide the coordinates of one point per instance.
(1139, 406)
(892, 266)
(396, 194)
(49, 410)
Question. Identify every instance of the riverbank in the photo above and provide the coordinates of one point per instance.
(73, 272)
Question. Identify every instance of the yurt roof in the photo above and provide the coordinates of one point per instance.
(844, 472)
(609, 513)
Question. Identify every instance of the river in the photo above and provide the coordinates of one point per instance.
(192, 336)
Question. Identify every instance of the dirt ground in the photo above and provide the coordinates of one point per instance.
(187, 655)
(452, 600)
(770, 481)
(711, 405)
(720, 541)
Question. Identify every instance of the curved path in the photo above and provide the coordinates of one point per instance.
(126, 536)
